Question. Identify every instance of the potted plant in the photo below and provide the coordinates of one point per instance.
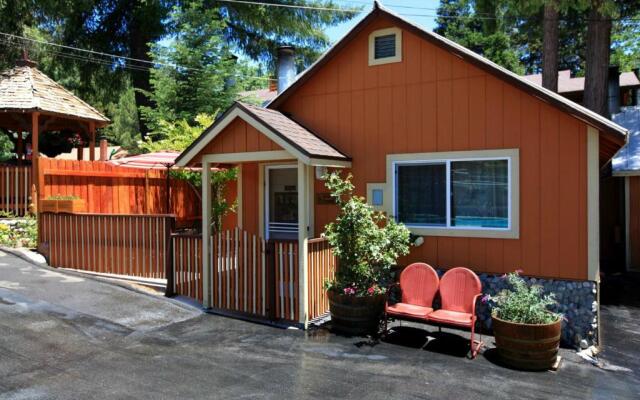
(76, 142)
(366, 244)
(62, 204)
(527, 333)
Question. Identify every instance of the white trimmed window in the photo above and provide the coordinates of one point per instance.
(385, 46)
(457, 196)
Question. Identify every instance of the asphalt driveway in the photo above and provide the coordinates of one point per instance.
(58, 347)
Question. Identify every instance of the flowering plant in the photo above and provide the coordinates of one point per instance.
(366, 243)
(524, 304)
(75, 140)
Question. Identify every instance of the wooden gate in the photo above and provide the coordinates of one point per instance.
(249, 275)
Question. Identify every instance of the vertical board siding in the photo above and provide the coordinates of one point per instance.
(15, 187)
(132, 245)
(634, 222)
(433, 101)
(322, 266)
(112, 189)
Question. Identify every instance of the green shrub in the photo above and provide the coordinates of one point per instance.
(366, 243)
(24, 233)
(524, 304)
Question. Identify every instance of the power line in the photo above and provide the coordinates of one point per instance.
(98, 53)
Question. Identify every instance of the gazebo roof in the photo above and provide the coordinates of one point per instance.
(24, 88)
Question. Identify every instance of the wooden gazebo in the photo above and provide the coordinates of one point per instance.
(32, 102)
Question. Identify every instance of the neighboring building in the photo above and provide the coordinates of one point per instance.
(495, 172)
(573, 87)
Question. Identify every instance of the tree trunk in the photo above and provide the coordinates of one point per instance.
(139, 49)
(550, 46)
(597, 63)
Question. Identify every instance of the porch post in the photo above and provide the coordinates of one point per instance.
(303, 237)
(206, 233)
(35, 155)
(92, 141)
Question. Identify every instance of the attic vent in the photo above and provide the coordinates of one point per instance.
(385, 46)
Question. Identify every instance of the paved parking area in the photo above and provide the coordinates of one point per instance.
(49, 352)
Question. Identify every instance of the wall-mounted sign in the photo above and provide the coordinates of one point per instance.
(324, 198)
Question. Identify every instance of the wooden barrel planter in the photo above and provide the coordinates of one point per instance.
(355, 315)
(526, 346)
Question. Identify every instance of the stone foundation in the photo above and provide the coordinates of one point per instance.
(576, 301)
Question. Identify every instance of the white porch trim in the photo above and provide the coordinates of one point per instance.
(206, 234)
(237, 112)
(593, 204)
(224, 158)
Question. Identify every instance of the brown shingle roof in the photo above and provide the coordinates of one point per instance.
(26, 88)
(294, 133)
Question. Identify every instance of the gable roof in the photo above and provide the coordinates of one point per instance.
(293, 137)
(25, 88)
(615, 131)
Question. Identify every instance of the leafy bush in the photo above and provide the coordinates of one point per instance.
(523, 304)
(366, 243)
(21, 233)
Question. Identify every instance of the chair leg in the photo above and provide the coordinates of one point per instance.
(475, 348)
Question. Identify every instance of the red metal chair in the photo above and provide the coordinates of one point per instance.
(419, 284)
(459, 290)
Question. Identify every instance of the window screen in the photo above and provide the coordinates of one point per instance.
(421, 194)
(385, 46)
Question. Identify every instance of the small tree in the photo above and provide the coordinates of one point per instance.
(366, 243)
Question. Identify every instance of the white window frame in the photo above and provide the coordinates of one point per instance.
(372, 46)
(512, 157)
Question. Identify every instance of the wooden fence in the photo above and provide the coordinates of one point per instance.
(15, 189)
(112, 189)
(187, 265)
(321, 266)
(248, 274)
(132, 245)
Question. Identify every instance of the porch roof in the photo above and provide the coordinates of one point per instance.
(294, 138)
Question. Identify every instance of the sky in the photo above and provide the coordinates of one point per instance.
(418, 11)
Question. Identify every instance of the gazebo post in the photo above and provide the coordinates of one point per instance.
(92, 141)
(35, 155)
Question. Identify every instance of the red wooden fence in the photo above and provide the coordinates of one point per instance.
(15, 189)
(132, 245)
(321, 267)
(112, 189)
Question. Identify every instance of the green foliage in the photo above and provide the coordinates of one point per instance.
(220, 178)
(124, 129)
(484, 26)
(22, 233)
(523, 304)
(6, 147)
(62, 197)
(205, 82)
(176, 136)
(366, 243)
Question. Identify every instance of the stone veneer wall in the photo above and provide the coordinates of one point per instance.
(576, 300)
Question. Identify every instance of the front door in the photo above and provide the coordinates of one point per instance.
(281, 202)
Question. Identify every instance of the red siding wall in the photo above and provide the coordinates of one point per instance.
(434, 101)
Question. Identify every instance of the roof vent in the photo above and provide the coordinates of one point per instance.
(385, 46)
